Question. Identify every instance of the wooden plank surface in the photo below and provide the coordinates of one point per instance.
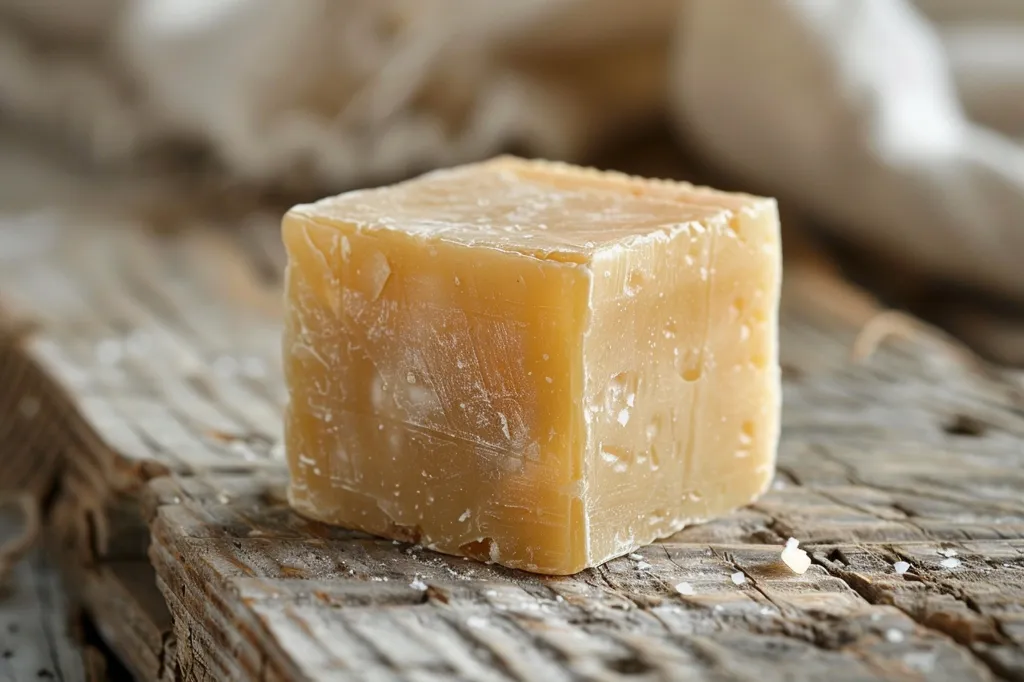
(139, 379)
(35, 642)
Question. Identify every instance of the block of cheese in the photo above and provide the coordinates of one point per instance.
(531, 363)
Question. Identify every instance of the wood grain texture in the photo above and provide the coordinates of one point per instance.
(35, 642)
(151, 365)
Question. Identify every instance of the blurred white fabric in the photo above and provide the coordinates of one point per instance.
(895, 122)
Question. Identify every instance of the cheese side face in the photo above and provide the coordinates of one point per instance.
(531, 363)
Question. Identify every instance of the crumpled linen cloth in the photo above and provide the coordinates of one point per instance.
(896, 123)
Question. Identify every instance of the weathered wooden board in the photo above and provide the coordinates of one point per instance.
(35, 642)
(132, 355)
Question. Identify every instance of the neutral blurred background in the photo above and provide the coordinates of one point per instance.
(893, 128)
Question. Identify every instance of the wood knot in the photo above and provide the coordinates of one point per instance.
(630, 665)
(965, 425)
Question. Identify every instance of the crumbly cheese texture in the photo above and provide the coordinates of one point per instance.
(531, 363)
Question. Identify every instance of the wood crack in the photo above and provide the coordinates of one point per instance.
(944, 626)
(748, 577)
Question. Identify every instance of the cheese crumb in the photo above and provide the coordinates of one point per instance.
(901, 567)
(949, 563)
(796, 559)
(684, 589)
(418, 584)
(738, 578)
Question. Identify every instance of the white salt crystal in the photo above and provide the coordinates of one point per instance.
(465, 515)
(792, 543)
(949, 563)
(901, 567)
(948, 552)
(635, 557)
(796, 559)
(893, 635)
(738, 578)
(418, 584)
(476, 622)
(642, 566)
(684, 589)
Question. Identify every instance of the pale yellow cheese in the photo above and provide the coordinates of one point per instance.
(531, 363)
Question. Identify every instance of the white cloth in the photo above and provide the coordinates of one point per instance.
(896, 123)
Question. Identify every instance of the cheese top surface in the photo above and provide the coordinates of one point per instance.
(546, 210)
